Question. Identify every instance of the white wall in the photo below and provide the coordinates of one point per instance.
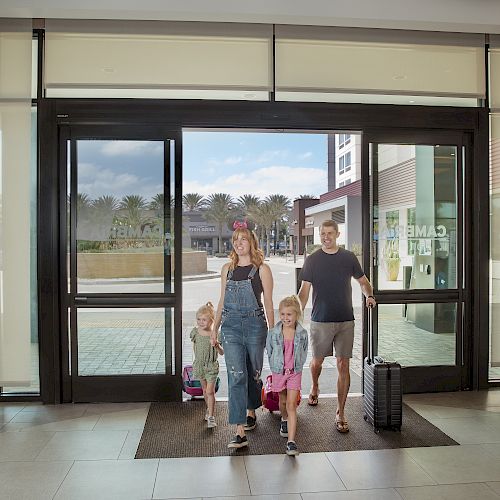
(482, 16)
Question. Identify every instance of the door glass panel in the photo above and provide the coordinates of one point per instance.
(417, 334)
(415, 216)
(121, 341)
(122, 232)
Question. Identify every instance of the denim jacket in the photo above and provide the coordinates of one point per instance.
(275, 346)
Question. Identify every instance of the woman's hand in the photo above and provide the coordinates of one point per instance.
(213, 338)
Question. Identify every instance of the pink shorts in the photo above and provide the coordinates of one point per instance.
(291, 381)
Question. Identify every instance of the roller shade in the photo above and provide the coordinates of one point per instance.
(15, 221)
(494, 67)
(162, 57)
(310, 59)
(15, 72)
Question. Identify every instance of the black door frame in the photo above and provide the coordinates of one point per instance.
(115, 387)
(175, 115)
(428, 378)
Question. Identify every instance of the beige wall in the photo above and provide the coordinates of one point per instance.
(135, 265)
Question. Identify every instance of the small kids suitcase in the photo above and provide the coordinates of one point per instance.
(270, 399)
(192, 386)
(382, 394)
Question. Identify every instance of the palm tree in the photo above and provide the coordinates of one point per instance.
(157, 203)
(219, 206)
(106, 204)
(280, 205)
(247, 204)
(264, 216)
(165, 221)
(306, 197)
(85, 225)
(193, 202)
(103, 216)
(83, 202)
(134, 206)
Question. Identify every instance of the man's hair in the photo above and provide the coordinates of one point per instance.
(329, 223)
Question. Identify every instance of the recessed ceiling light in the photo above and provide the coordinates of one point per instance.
(399, 77)
(108, 70)
(411, 102)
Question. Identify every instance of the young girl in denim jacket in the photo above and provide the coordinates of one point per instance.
(287, 351)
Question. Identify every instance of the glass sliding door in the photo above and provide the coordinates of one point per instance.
(416, 236)
(121, 281)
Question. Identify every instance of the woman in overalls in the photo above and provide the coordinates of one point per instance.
(240, 315)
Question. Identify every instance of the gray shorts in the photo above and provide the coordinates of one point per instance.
(326, 335)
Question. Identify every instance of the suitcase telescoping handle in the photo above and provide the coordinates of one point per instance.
(371, 347)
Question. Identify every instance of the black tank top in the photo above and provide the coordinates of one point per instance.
(241, 273)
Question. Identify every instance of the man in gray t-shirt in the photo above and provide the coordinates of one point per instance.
(329, 270)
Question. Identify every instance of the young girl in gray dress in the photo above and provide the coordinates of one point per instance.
(205, 365)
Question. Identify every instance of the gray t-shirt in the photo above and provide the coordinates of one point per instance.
(330, 276)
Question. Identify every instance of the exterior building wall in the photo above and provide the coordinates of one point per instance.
(299, 221)
(332, 153)
(353, 147)
(198, 233)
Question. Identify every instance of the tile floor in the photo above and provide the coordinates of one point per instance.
(86, 451)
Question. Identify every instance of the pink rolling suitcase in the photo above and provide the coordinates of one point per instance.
(270, 399)
(192, 386)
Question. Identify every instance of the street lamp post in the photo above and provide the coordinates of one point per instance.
(294, 240)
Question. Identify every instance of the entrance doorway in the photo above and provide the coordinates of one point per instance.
(78, 306)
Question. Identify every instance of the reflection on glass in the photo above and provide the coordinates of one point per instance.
(494, 351)
(114, 341)
(417, 334)
(415, 217)
(121, 217)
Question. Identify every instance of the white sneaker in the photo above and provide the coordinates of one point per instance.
(211, 422)
(206, 416)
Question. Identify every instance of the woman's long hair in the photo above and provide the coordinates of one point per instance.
(256, 254)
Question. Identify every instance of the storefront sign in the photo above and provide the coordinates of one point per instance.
(136, 232)
(202, 229)
(416, 231)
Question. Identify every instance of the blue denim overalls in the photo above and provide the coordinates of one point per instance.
(243, 332)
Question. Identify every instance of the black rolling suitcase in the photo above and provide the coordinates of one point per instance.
(382, 394)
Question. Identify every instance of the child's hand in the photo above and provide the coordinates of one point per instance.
(219, 348)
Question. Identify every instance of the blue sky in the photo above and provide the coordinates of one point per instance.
(231, 162)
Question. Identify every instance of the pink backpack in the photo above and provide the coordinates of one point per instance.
(270, 399)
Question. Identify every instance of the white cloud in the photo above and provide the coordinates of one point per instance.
(272, 155)
(132, 148)
(306, 156)
(229, 161)
(96, 181)
(290, 181)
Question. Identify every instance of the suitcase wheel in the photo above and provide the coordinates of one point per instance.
(365, 416)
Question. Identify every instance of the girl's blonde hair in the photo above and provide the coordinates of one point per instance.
(208, 310)
(293, 302)
(256, 254)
